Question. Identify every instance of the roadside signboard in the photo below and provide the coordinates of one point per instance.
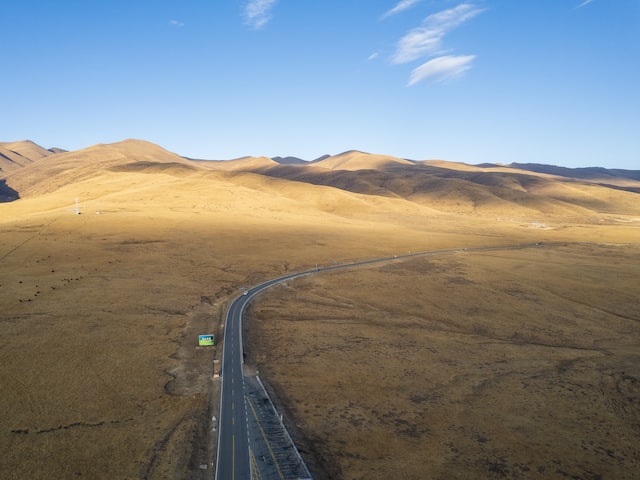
(205, 340)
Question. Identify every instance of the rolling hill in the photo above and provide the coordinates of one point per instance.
(14, 155)
(460, 188)
(516, 191)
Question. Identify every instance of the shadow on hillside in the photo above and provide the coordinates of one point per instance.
(474, 190)
(587, 173)
(7, 194)
(620, 187)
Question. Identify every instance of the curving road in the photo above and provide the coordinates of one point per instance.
(233, 446)
(233, 458)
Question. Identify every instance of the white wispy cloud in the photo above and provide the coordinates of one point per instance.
(177, 23)
(427, 39)
(417, 43)
(401, 6)
(258, 12)
(441, 68)
(372, 56)
(584, 4)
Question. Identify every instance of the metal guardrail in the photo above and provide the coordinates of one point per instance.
(275, 454)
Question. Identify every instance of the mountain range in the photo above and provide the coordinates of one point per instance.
(521, 190)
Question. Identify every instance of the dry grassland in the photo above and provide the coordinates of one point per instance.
(101, 376)
(521, 364)
(503, 364)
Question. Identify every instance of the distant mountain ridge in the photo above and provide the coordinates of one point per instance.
(14, 155)
(43, 171)
(581, 172)
(289, 160)
(530, 190)
(354, 160)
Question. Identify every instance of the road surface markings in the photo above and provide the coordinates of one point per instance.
(266, 441)
(255, 471)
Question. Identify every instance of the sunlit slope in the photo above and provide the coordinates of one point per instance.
(460, 188)
(354, 160)
(381, 183)
(15, 155)
(48, 174)
(142, 179)
(239, 164)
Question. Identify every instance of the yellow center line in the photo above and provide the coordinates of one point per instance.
(255, 475)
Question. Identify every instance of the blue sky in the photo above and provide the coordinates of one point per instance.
(545, 81)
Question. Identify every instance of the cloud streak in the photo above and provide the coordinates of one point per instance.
(442, 68)
(401, 6)
(257, 13)
(584, 4)
(427, 39)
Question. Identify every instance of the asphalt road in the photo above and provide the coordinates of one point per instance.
(233, 461)
(233, 446)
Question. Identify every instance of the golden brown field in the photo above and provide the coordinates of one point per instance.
(502, 364)
(518, 363)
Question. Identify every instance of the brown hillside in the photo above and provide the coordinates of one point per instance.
(498, 191)
(14, 155)
(355, 160)
(501, 192)
(240, 164)
(50, 173)
(106, 175)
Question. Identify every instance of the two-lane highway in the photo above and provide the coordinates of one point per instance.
(233, 445)
(233, 459)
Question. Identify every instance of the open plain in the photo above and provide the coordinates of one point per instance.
(516, 363)
(500, 364)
